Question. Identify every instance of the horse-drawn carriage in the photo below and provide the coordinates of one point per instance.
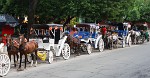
(88, 34)
(110, 37)
(50, 40)
(139, 33)
(4, 61)
(123, 34)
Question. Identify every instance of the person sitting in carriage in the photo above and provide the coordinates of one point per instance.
(73, 31)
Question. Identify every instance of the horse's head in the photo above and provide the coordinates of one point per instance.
(69, 38)
(16, 43)
(9, 40)
(22, 39)
(132, 32)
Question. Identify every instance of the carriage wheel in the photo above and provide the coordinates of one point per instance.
(83, 47)
(66, 51)
(50, 58)
(4, 64)
(129, 41)
(89, 48)
(101, 45)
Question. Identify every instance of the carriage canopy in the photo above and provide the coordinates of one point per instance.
(53, 31)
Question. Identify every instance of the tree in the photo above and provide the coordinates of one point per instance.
(64, 10)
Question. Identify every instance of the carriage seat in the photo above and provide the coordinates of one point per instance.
(87, 34)
(94, 35)
(45, 40)
(121, 32)
(84, 35)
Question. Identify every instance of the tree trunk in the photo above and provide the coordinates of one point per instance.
(69, 18)
(32, 7)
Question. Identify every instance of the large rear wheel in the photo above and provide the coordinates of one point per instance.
(66, 51)
(123, 42)
(4, 64)
(50, 58)
(101, 45)
(89, 48)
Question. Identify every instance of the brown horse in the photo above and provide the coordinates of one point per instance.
(27, 48)
(74, 44)
(12, 48)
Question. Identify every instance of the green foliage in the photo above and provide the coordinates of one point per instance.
(140, 11)
(59, 10)
(73, 22)
(15, 7)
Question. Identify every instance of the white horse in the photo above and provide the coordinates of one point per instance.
(135, 36)
(112, 40)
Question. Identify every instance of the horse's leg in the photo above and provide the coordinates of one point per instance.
(108, 44)
(28, 59)
(20, 61)
(9, 55)
(77, 51)
(32, 56)
(17, 56)
(135, 39)
(14, 60)
(78, 48)
(36, 57)
(105, 43)
(117, 43)
(131, 39)
(25, 60)
(111, 44)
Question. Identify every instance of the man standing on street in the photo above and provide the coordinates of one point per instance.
(104, 30)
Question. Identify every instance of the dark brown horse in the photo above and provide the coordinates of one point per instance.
(27, 48)
(74, 44)
(12, 48)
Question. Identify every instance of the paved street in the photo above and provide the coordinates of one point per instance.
(129, 62)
